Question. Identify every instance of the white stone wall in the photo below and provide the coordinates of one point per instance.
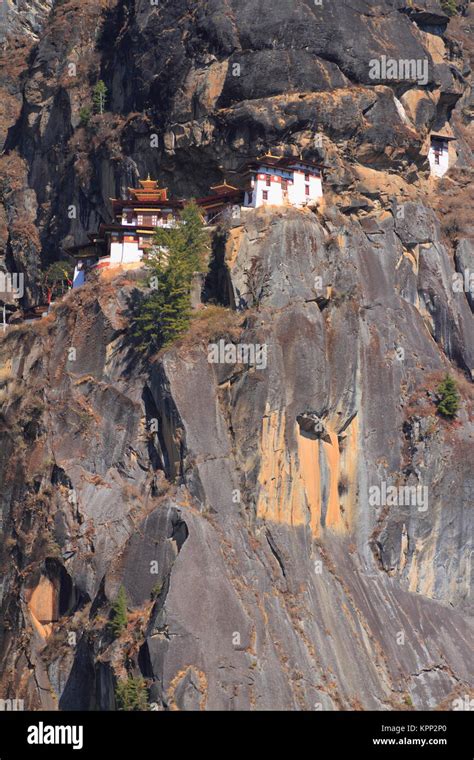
(298, 195)
(315, 187)
(273, 190)
(296, 184)
(124, 252)
(439, 169)
(131, 253)
(298, 192)
(116, 252)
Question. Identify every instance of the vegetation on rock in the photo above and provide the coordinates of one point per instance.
(85, 115)
(119, 613)
(177, 254)
(449, 7)
(99, 97)
(131, 695)
(58, 277)
(156, 590)
(448, 397)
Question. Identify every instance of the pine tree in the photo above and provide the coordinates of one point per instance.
(448, 397)
(119, 613)
(84, 116)
(131, 694)
(177, 253)
(99, 97)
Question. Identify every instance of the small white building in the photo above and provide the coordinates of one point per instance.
(280, 180)
(125, 240)
(438, 154)
(269, 180)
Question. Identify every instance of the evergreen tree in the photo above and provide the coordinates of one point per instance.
(84, 115)
(131, 694)
(448, 397)
(99, 97)
(119, 613)
(177, 253)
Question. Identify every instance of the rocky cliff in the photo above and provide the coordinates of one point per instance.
(237, 503)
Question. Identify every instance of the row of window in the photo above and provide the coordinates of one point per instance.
(146, 220)
(265, 193)
(149, 220)
(284, 181)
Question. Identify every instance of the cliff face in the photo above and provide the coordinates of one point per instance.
(238, 505)
(278, 584)
(195, 88)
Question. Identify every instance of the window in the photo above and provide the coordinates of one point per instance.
(306, 189)
(436, 156)
(267, 180)
(306, 177)
(250, 196)
(265, 195)
(140, 219)
(154, 220)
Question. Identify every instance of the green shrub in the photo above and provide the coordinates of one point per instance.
(57, 278)
(156, 590)
(119, 613)
(85, 114)
(450, 7)
(448, 397)
(131, 694)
